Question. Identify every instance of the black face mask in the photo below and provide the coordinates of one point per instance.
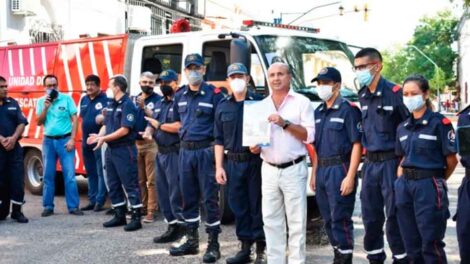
(166, 90)
(147, 89)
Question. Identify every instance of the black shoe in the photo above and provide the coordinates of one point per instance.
(373, 261)
(344, 258)
(76, 211)
(135, 223)
(110, 211)
(190, 246)
(213, 249)
(261, 253)
(47, 212)
(98, 208)
(401, 261)
(119, 218)
(171, 235)
(89, 207)
(18, 215)
(243, 256)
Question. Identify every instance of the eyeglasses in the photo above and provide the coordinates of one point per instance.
(3, 86)
(363, 66)
(51, 85)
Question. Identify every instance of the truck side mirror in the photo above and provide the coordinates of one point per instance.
(240, 51)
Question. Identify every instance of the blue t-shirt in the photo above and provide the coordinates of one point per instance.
(58, 121)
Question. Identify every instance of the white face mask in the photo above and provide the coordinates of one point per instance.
(414, 102)
(325, 92)
(238, 85)
(109, 93)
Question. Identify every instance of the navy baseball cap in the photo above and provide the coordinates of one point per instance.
(168, 75)
(328, 74)
(236, 68)
(194, 58)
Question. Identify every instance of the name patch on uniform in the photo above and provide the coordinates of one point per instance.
(427, 137)
(98, 106)
(388, 108)
(404, 138)
(206, 105)
(158, 110)
(130, 117)
(12, 108)
(317, 121)
(364, 107)
(119, 110)
(337, 120)
(182, 103)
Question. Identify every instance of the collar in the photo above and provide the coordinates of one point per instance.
(202, 91)
(424, 120)
(123, 98)
(336, 104)
(378, 90)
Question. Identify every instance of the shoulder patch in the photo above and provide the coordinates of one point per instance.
(446, 121)
(396, 88)
(217, 90)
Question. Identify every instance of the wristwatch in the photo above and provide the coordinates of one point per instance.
(159, 125)
(286, 124)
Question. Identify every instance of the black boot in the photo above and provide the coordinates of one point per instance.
(119, 218)
(242, 256)
(190, 246)
(261, 253)
(372, 261)
(170, 235)
(135, 223)
(401, 261)
(337, 255)
(344, 258)
(213, 248)
(17, 214)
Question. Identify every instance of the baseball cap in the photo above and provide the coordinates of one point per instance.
(194, 58)
(328, 74)
(168, 75)
(236, 68)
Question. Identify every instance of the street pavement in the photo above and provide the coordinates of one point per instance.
(63, 238)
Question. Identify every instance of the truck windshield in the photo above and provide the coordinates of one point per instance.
(307, 56)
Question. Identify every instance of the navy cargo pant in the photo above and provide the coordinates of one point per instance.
(423, 210)
(335, 209)
(94, 168)
(463, 218)
(197, 172)
(12, 173)
(168, 187)
(244, 197)
(378, 190)
(121, 168)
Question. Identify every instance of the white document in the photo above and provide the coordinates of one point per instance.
(256, 128)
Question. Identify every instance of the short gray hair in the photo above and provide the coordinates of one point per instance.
(148, 75)
(282, 64)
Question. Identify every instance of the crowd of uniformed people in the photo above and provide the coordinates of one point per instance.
(182, 143)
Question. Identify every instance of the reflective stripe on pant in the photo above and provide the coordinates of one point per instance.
(12, 173)
(93, 165)
(284, 197)
(168, 185)
(121, 167)
(377, 191)
(423, 210)
(336, 209)
(146, 155)
(463, 220)
(244, 197)
(198, 179)
(53, 149)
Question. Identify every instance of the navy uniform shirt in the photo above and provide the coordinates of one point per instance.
(89, 109)
(337, 128)
(10, 117)
(464, 120)
(196, 111)
(140, 122)
(164, 113)
(425, 143)
(228, 129)
(119, 114)
(382, 112)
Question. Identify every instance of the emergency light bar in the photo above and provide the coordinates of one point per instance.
(252, 23)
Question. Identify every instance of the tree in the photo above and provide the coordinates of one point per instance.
(434, 36)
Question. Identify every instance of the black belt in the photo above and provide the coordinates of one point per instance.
(240, 156)
(418, 174)
(288, 164)
(332, 161)
(380, 156)
(59, 137)
(168, 149)
(193, 145)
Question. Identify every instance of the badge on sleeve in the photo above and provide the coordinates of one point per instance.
(98, 106)
(130, 117)
(451, 135)
(359, 127)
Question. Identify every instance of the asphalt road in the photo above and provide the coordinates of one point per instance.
(64, 238)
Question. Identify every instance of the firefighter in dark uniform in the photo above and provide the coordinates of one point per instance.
(382, 110)
(425, 141)
(12, 126)
(165, 132)
(195, 106)
(243, 169)
(338, 148)
(121, 159)
(463, 206)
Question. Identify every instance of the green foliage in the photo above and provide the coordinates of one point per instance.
(433, 36)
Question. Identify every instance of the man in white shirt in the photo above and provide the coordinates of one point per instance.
(284, 170)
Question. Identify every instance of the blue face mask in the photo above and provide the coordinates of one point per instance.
(194, 78)
(364, 77)
(414, 102)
